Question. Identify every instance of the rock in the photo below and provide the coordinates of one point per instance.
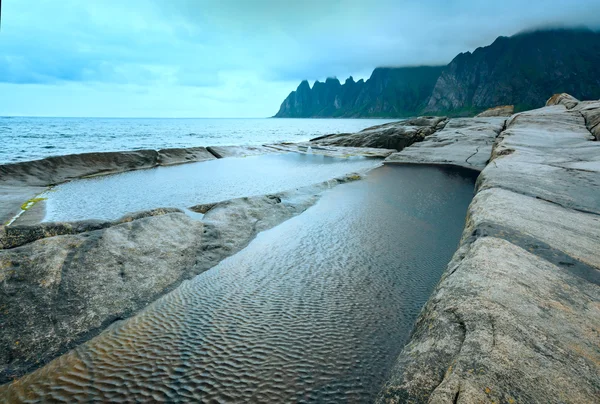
(332, 151)
(58, 169)
(395, 135)
(63, 283)
(12, 197)
(562, 99)
(20, 182)
(168, 157)
(16, 236)
(465, 142)
(591, 113)
(239, 151)
(502, 110)
(515, 316)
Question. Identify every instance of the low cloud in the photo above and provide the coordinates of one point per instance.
(227, 52)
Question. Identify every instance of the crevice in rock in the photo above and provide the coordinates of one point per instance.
(476, 151)
(455, 399)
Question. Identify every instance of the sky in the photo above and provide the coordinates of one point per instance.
(233, 58)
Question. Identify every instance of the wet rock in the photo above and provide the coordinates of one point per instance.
(12, 197)
(465, 142)
(332, 151)
(395, 135)
(63, 283)
(167, 157)
(515, 317)
(502, 110)
(58, 169)
(239, 151)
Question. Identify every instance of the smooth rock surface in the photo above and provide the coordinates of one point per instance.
(516, 317)
(72, 280)
(12, 197)
(395, 135)
(465, 142)
(332, 151)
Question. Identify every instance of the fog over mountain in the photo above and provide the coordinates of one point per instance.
(233, 58)
(522, 70)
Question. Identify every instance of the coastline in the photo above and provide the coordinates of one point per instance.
(507, 318)
(514, 317)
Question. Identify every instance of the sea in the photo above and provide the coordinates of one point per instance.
(32, 138)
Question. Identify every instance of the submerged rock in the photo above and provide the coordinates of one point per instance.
(395, 135)
(515, 317)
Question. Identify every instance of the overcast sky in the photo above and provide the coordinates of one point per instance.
(238, 58)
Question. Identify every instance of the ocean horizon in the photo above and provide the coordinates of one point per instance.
(33, 138)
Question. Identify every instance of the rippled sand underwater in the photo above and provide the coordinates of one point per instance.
(313, 310)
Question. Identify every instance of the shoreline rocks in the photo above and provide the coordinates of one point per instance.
(393, 135)
(464, 142)
(515, 317)
(20, 182)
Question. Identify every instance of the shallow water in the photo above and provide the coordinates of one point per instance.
(315, 309)
(110, 197)
(27, 138)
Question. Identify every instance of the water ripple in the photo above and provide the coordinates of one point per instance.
(313, 310)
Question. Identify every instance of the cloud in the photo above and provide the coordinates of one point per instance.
(227, 52)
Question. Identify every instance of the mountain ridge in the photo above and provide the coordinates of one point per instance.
(521, 70)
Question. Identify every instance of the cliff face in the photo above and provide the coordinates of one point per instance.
(521, 70)
(389, 92)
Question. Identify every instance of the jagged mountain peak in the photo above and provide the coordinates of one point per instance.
(520, 70)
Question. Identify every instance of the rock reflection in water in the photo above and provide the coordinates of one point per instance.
(315, 309)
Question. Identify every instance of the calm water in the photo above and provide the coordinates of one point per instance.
(110, 197)
(26, 138)
(313, 310)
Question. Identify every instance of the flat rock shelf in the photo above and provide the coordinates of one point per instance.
(314, 309)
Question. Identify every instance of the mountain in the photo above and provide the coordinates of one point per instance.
(388, 92)
(522, 70)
